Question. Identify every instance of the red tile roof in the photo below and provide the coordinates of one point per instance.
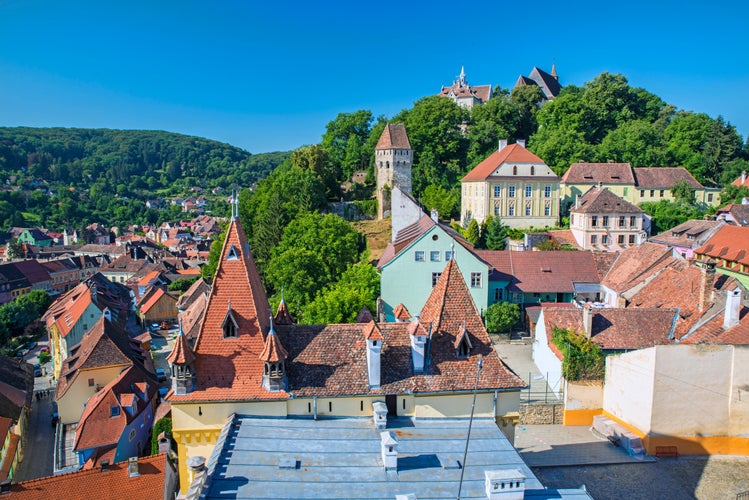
(730, 243)
(364, 316)
(542, 271)
(400, 312)
(372, 331)
(513, 153)
(182, 353)
(154, 298)
(93, 484)
(712, 332)
(635, 264)
(593, 173)
(394, 136)
(602, 201)
(663, 177)
(742, 180)
(687, 233)
(230, 368)
(283, 316)
(274, 351)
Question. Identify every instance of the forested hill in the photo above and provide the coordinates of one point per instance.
(101, 165)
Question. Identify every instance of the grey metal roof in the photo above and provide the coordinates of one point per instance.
(340, 458)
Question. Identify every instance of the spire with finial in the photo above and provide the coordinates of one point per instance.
(283, 316)
(273, 357)
(462, 77)
(554, 71)
(234, 205)
(182, 363)
(452, 250)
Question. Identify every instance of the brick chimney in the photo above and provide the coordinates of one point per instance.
(733, 308)
(588, 321)
(707, 282)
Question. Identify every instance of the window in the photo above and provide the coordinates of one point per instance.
(622, 221)
(604, 239)
(652, 193)
(625, 191)
(620, 240)
(547, 191)
(515, 170)
(91, 382)
(448, 255)
(229, 325)
(642, 193)
(547, 209)
(434, 256)
(232, 254)
(633, 221)
(496, 210)
(497, 191)
(435, 278)
(527, 209)
(605, 221)
(475, 280)
(594, 221)
(419, 256)
(114, 411)
(572, 219)
(528, 191)
(533, 170)
(710, 198)
(511, 191)
(511, 210)
(661, 193)
(631, 239)
(593, 239)
(132, 434)
(498, 294)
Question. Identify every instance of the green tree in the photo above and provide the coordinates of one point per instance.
(583, 359)
(446, 202)
(209, 268)
(298, 272)
(733, 194)
(496, 234)
(344, 141)
(667, 214)
(473, 233)
(501, 316)
(637, 142)
(358, 287)
(683, 192)
(182, 284)
(315, 159)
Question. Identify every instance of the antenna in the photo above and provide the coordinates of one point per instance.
(479, 366)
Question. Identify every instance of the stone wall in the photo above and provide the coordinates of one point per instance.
(541, 413)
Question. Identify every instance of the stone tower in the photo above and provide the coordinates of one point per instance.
(393, 160)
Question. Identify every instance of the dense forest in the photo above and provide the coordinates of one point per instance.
(61, 177)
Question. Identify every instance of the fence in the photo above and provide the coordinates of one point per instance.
(539, 391)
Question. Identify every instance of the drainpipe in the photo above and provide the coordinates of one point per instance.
(314, 407)
(496, 395)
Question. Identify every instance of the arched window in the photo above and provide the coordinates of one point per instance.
(533, 170)
(514, 170)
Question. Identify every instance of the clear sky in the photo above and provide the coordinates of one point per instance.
(268, 76)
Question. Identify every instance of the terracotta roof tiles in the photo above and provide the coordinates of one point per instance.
(394, 136)
(635, 264)
(602, 201)
(730, 244)
(663, 177)
(593, 173)
(513, 153)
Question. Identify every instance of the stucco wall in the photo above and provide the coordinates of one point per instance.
(547, 362)
(454, 406)
(70, 406)
(628, 388)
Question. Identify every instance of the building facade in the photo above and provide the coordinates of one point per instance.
(600, 220)
(514, 184)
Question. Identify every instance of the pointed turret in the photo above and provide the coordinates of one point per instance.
(273, 357)
(182, 364)
(283, 316)
(554, 71)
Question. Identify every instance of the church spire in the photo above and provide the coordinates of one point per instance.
(554, 71)
(462, 77)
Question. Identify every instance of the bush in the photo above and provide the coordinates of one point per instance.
(583, 359)
(367, 207)
(500, 316)
(44, 357)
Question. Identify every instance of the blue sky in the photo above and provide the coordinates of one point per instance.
(268, 76)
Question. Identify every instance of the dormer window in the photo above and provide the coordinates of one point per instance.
(232, 254)
(463, 344)
(230, 326)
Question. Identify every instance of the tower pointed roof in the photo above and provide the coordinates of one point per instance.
(182, 353)
(228, 367)
(394, 136)
(273, 352)
(283, 316)
(372, 331)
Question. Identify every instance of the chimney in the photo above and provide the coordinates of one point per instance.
(374, 340)
(588, 321)
(165, 444)
(195, 465)
(380, 415)
(502, 144)
(389, 450)
(132, 467)
(435, 215)
(743, 177)
(733, 308)
(104, 465)
(507, 484)
(418, 344)
(577, 201)
(521, 142)
(707, 281)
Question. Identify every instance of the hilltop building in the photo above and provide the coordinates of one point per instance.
(465, 95)
(547, 82)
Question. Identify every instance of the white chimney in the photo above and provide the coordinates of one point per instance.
(743, 177)
(521, 142)
(374, 348)
(577, 201)
(435, 215)
(588, 321)
(506, 484)
(733, 308)
(502, 144)
(389, 450)
(380, 416)
(132, 467)
(418, 344)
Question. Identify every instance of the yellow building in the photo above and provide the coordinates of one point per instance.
(514, 184)
(245, 364)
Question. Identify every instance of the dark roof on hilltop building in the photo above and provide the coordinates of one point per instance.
(548, 83)
(394, 136)
(663, 177)
(602, 201)
(593, 173)
(461, 88)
